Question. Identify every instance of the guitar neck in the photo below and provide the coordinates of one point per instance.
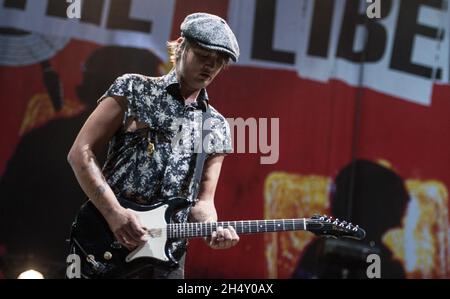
(194, 229)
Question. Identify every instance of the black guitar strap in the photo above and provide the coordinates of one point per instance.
(201, 151)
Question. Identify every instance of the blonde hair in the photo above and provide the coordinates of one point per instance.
(175, 49)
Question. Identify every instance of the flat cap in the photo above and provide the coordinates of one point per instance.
(211, 32)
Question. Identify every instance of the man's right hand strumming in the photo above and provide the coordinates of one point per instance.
(127, 228)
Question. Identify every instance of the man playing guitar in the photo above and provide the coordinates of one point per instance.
(140, 117)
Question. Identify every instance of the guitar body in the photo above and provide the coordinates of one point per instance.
(101, 254)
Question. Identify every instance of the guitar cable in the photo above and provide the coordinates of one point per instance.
(98, 267)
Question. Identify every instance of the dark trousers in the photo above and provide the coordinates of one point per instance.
(161, 273)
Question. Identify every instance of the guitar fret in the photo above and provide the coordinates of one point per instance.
(296, 224)
(286, 222)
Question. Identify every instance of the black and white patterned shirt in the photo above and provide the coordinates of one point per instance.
(137, 174)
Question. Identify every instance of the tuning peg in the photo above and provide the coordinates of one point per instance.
(323, 217)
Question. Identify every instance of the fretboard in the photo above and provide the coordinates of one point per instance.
(192, 230)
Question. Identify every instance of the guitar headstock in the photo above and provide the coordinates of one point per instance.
(323, 225)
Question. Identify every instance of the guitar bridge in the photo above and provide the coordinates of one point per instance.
(154, 232)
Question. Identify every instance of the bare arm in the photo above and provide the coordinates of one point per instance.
(205, 210)
(92, 138)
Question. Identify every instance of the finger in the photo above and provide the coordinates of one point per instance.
(220, 233)
(227, 238)
(233, 232)
(132, 237)
(213, 239)
(123, 240)
(136, 235)
(227, 242)
(234, 236)
(129, 238)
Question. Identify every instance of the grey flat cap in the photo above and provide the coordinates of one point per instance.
(211, 32)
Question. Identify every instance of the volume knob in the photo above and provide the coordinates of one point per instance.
(107, 255)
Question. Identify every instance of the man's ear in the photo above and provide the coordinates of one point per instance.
(179, 41)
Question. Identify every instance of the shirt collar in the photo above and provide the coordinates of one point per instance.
(171, 84)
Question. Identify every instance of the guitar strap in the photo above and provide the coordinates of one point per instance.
(201, 151)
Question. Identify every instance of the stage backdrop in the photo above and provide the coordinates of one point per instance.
(350, 116)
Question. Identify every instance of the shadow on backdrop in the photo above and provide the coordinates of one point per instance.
(373, 197)
(39, 192)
